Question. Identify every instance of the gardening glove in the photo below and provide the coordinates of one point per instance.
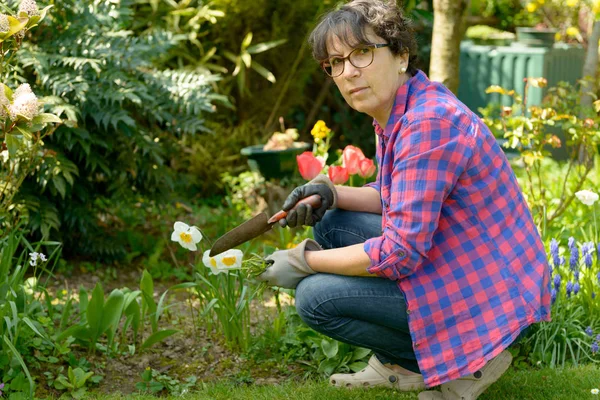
(304, 214)
(289, 267)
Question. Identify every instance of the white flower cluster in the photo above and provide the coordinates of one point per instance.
(4, 24)
(34, 257)
(30, 7)
(4, 103)
(25, 103)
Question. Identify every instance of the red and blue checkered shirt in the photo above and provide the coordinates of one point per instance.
(457, 233)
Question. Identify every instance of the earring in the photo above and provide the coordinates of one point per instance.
(402, 70)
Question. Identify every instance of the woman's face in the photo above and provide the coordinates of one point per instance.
(371, 90)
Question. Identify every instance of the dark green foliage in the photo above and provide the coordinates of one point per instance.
(126, 115)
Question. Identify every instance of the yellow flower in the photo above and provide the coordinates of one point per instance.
(541, 2)
(572, 3)
(147, 368)
(557, 36)
(531, 7)
(320, 130)
(572, 31)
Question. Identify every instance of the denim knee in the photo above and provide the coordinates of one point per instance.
(321, 228)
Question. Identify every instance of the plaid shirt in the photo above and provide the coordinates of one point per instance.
(457, 233)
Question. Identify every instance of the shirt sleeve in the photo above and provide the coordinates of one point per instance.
(429, 156)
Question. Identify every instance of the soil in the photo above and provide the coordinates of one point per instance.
(192, 352)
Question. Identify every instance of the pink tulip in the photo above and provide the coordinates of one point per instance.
(309, 165)
(366, 168)
(338, 175)
(351, 157)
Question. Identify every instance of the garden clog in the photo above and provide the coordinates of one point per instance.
(471, 386)
(376, 374)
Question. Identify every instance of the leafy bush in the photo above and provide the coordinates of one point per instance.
(125, 118)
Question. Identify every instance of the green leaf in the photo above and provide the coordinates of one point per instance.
(329, 347)
(268, 75)
(360, 353)
(262, 47)
(16, 25)
(20, 360)
(148, 303)
(13, 143)
(158, 337)
(46, 118)
(24, 131)
(247, 59)
(94, 312)
(247, 40)
(113, 310)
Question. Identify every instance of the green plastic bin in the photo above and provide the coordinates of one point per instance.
(507, 66)
(273, 164)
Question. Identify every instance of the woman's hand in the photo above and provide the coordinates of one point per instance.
(304, 214)
(289, 267)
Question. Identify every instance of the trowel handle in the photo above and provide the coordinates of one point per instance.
(313, 200)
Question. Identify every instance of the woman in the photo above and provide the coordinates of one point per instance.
(445, 225)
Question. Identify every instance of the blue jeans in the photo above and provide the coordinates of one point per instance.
(363, 311)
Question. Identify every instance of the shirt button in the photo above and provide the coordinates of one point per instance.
(416, 345)
(400, 254)
(407, 311)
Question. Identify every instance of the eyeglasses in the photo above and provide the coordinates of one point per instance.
(360, 57)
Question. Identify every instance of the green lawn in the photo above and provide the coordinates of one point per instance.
(567, 384)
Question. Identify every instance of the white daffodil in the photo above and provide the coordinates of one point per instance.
(187, 236)
(224, 262)
(587, 197)
(595, 391)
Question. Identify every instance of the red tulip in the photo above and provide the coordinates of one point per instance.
(366, 168)
(338, 175)
(351, 157)
(309, 165)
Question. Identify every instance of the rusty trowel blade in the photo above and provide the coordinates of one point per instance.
(248, 230)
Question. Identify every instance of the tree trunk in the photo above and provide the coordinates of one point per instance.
(448, 31)
(589, 68)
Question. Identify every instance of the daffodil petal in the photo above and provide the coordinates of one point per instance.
(175, 236)
(196, 235)
(180, 226)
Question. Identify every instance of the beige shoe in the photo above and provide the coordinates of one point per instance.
(376, 374)
(471, 386)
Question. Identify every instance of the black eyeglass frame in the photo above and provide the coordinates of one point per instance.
(374, 46)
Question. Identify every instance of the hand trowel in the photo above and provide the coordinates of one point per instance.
(256, 226)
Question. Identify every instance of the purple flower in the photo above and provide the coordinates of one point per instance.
(553, 296)
(589, 331)
(574, 259)
(571, 243)
(557, 281)
(598, 277)
(598, 338)
(562, 260)
(576, 288)
(594, 347)
(569, 288)
(554, 252)
(1, 387)
(576, 275)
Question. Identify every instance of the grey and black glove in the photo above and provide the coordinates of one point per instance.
(289, 267)
(304, 214)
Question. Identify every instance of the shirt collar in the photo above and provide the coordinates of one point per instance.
(419, 80)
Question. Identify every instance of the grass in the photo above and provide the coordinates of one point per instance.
(567, 384)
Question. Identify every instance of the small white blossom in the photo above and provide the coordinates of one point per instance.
(595, 391)
(25, 103)
(4, 24)
(4, 102)
(34, 257)
(187, 236)
(587, 197)
(29, 7)
(224, 262)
